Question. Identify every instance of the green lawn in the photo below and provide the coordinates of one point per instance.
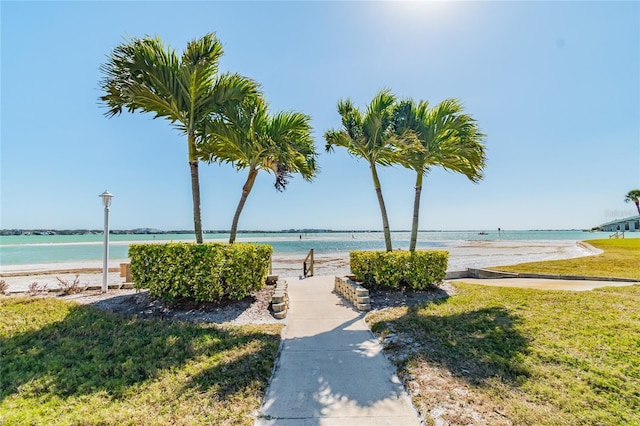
(621, 258)
(631, 290)
(64, 363)
(527, 356)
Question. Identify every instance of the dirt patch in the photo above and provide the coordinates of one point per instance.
(440, 397)
(253, 309)
(447, 400)
(382, 299)
(58, 271)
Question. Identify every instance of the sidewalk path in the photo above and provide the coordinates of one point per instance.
(543, 283)
(331, 369)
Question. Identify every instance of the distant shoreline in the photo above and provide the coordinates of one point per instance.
(147, 231)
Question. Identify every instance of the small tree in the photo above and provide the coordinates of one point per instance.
(249, 138)
(144, 75)
(633, 197)
(369, 136)
(441, 136)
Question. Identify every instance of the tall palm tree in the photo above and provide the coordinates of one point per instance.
(633, 197)
(369, 136)
(248, 137)
(442, 136)
(144, 75)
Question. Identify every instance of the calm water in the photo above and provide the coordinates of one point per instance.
(37, 249)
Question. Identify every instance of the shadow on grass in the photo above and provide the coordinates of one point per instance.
(385, 298)
(92, 350)
(475, 345)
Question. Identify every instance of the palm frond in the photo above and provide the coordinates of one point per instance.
(231, 89)
(145, 75)
(351, 118)
(440, 136)
(335, 138)
(378, 123)
(633, 196)
(368, 136)
(203, 53)
(139, 71)
(245, 135)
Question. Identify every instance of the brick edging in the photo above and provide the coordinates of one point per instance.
(353, 292)
(280, 300)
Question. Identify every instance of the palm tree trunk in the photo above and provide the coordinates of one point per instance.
(195, 188)
(383, 209)
(246, 189)
(637, 203)
(416, 213)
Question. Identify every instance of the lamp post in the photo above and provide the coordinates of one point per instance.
(106, 202)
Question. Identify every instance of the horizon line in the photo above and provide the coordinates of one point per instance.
(288, 231)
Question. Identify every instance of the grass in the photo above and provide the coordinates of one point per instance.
(621, 258)
(632, 290)
(521, 356)
(64, 363)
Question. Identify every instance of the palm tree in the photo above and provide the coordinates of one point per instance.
(633, 197)
(441, 136)
(248, 137)
(369, 136)
(144, 75)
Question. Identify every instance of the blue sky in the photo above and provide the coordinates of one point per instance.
(554, 85)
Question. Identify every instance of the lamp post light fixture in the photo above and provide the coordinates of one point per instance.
(106, 202)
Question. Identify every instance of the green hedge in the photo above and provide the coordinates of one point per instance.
(205, 272)
(399, 269)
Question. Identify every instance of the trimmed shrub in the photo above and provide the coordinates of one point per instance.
(399, 269)
(205, 272)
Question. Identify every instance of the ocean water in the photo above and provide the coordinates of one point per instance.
(43, 249)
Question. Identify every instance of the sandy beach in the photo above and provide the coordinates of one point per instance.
(471, 254)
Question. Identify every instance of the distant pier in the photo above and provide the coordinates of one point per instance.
(630, 224)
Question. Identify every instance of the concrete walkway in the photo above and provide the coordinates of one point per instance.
(331, 369)
(543, 284)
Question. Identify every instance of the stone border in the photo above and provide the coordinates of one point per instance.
(280, 300)
(353, 292)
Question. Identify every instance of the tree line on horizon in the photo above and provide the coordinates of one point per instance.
(226, 119)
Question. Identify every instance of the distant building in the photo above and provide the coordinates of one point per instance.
(630, 224)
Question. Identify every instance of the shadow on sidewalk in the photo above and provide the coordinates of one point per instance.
(340, 374)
